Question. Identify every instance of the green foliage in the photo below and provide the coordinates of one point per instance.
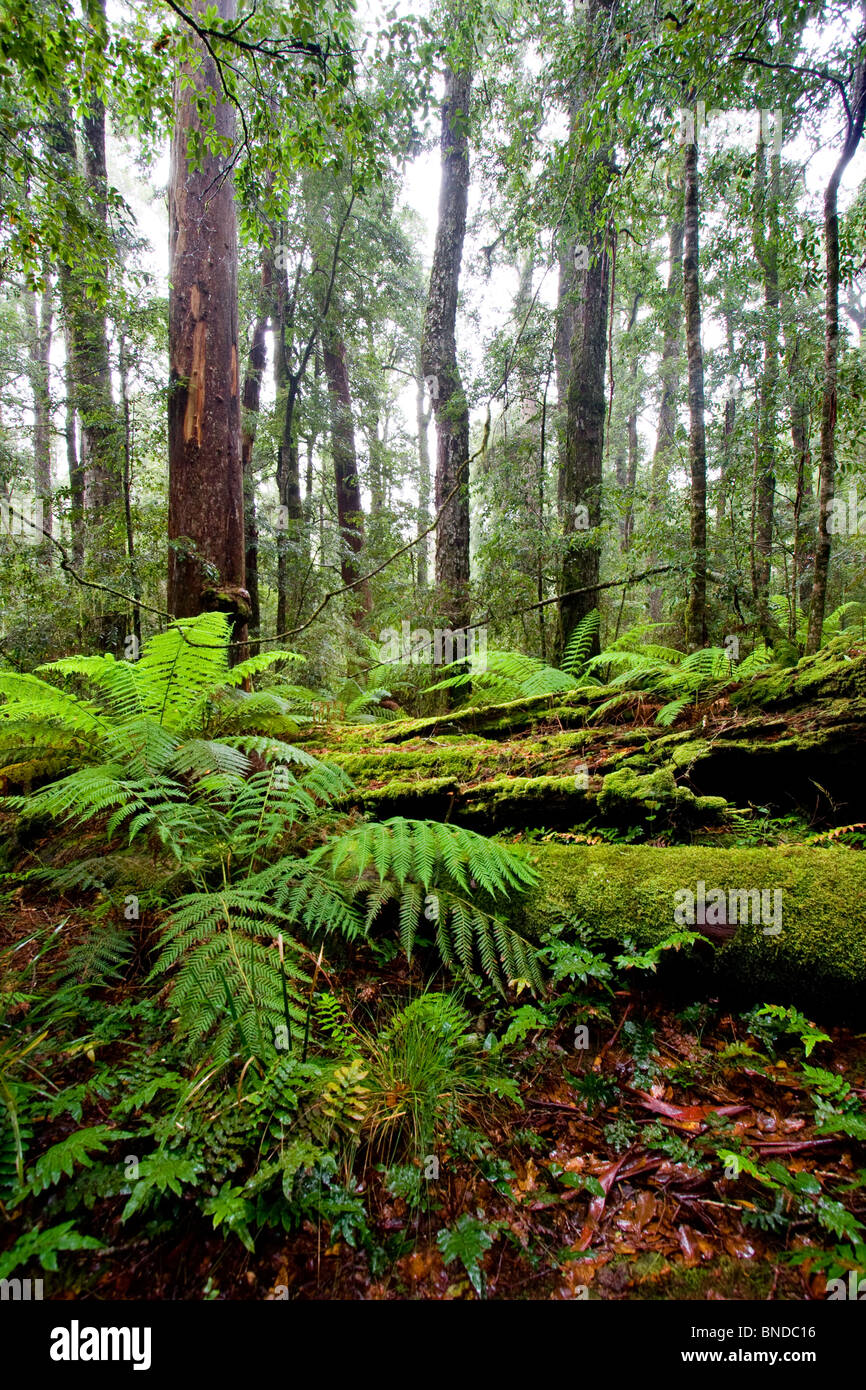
(771, 1022)
(424, 1068)
(468, 1240)
(44, 1245)
(647, 667)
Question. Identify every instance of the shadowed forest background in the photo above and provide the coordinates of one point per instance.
(433, 649)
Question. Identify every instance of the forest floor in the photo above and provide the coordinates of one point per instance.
(645, 1112)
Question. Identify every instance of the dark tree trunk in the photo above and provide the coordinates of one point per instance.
(696, 606)
(804, 530)
(584, 316)
(627, 453)
(95, 478)
(250, 406)
(350, 515)
(669, 375)
(206, 516)
(100, 434)
(422, 419)
(856, 113)
(439, 356)
(287, 383)
(766, 245)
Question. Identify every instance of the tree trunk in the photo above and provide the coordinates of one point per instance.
(127, 489)
(439, 356)
(250, 406)
(804, 531)
(669, 375)
(205, 517)
(422, 419)
(580, 468)
(696, 607)
(100, 435)
(291, 518)
(40, 323)
(627, 453)
(73, 465)
(766, 246)
(855, 113)
(350, 514)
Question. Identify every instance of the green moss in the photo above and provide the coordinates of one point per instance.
(627, 795)
(397, 790)
(626, 890)
(724, 1277)
(517, 789)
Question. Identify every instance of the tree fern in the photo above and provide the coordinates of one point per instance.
(578, 648)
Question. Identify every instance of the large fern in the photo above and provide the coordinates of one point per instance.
(667, 672)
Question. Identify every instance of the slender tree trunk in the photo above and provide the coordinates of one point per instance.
(669, 374)
(696, 607)
(73, 465)
(766, 246)
(206, 516)
(250, 406)
(627, 453)
(127, 489)
(439, 356)
(804, 530)
(287, 383)
(422, 419)
(104, 487)
(856, 113)
(41, 323)
(95, 482)
(350, 514)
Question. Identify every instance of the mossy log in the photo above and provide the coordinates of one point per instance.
(792, 740)
(817, 956)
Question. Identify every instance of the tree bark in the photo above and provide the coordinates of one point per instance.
(696, 606)
(766, 246)
(205, 518)
(439, 355)
(855, 116)
(669, 375)
(422, 420)
(350, 513)
(580, 470)
(41, 323)
(250, 406)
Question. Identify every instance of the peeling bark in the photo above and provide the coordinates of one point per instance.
(205, 518)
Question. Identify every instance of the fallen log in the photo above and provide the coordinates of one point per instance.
(784, 924)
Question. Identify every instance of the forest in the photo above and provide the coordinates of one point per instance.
(432, 652)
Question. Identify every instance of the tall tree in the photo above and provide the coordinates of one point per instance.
(422, 421)
(855, 113)
(696, 605)
(205, 516)
(765, 237)
(585, 314)
(350, 515)
(250, 406)
(669, 375)
(439, 348)
(40, 324)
